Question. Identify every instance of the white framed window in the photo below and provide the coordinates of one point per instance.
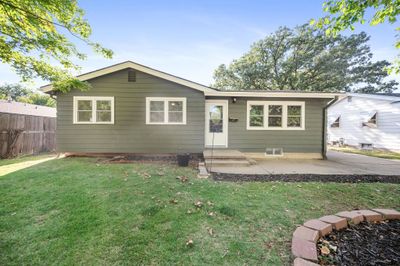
(275, 115)
(165, 111)
(93, 110)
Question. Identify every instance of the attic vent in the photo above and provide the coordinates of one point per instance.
(131, 76)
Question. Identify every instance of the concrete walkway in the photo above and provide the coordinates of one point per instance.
(337, 163)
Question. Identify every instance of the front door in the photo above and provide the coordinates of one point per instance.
(216, 123)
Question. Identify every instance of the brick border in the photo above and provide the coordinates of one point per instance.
(305, 237)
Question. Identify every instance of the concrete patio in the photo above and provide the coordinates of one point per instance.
(337, 163)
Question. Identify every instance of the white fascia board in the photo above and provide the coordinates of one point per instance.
(270, 94)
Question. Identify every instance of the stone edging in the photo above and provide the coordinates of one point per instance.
(305, 237)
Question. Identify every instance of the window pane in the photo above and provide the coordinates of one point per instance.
(157, 106)
(103, 105)
(103, 116)
(256, 121)
(257, 110)
(275, 110)
(84, 105)
(84, 116)
(216, 119)
(175, 117)
(157, 117)
(294, 110)
(275, 121)
(294, 122)
(256, 116)
(175, 106)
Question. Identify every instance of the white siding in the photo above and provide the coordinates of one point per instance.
(353, 113)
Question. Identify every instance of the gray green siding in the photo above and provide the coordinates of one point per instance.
(129, 133)
(295, 141)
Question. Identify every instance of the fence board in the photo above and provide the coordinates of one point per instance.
(38, 134)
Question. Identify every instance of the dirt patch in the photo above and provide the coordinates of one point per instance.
(157, 159)
(395, 179)
(362, 244)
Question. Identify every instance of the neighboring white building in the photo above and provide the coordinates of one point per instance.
(366, 121)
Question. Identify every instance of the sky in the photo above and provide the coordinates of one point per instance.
(191, 39)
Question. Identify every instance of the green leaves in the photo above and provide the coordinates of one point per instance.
(305, 58)
(345, 14)
(35, 33)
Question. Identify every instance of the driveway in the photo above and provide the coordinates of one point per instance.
(337, 163)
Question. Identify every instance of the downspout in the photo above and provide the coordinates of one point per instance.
(324, 126)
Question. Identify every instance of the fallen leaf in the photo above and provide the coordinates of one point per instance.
(147, 175)
(198, 204)
(211, 213)
(209, 203)
(183, 178)
(325, 250)
(210, 231)
(173, 201)
(189, 243)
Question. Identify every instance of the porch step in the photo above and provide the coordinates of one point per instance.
(224, 154)
(230, 163)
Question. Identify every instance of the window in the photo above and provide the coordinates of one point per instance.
(336, 123)
(275, 115)
(256, 116)
(93, 110)
(270, 115)
(168, 111)
(372, 123)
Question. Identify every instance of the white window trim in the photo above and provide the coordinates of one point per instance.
(94, 106)
(285, 105)
(166, 100)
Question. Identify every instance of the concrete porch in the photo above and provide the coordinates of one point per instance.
(337, 163)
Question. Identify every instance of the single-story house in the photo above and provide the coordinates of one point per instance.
(366, 121)
(133, 108)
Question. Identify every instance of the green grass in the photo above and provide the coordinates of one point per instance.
(74, 211)
(373, 153)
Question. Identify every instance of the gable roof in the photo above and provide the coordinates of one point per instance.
(139, 67)
(208, 91)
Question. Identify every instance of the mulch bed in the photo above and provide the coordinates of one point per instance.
(308, 178)
(362, 244)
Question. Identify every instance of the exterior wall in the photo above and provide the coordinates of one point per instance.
(309, 140)
(129, 133)
(352, 114)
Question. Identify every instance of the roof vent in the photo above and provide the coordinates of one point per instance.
(131, 75)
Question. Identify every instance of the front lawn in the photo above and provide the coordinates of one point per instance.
(75, 211)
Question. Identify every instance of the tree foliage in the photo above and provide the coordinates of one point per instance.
(33, 36)
(304, 58)
(344, 14)
(38, 99)
(18, 93)
(13, 91)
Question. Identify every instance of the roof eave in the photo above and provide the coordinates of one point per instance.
(272, 94)
(139, 67)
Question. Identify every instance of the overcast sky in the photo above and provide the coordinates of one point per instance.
(191, 38)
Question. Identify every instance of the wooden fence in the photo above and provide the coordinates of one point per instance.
(26, 134)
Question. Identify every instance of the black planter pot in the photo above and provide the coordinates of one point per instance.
(183, 159)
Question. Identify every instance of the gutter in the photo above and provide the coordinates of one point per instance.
(324, 126)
